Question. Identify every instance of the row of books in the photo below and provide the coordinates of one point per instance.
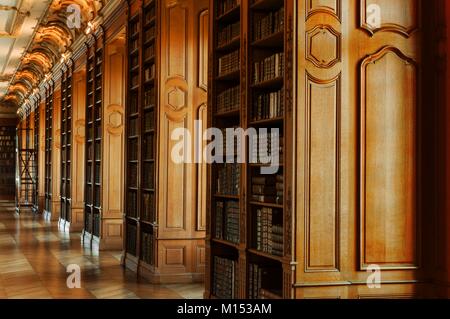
(229, 33)
(149, 72)
(228, 179)
(134, 45)
(6, 156)
(147, 248)
(229, 100)
(149, 97)
(268, 69)
(229, 63)
(268, 105)
(269, 237)
(268, 189)
(226, 278)
(149, 52)
(228, 147)
(149, 120)
(148, 207)
(131, 239)
(134, 28)
(266, 24)
(150, 33)
(261, 278)
(227, 221)
(132, 204)
(149, 151)
(150, 14)
(132, 175)
(262, 151)
(227, 5)
(149, 176)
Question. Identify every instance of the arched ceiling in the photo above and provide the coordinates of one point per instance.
(54, 34)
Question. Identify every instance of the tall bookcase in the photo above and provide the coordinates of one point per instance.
(249, 220)
(66, 144)
(48, 147)
(93, 165)
(36, 154)
(141, 112)
(7, 160)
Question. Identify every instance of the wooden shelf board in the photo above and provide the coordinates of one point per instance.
(266, 5)
(274, 40)
(229, 76)
(265, 255)
(225, 242)
(272, 205)
(273, 83)
(231, 14)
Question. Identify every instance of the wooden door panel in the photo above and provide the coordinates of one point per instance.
(388, 160)
(357, 145)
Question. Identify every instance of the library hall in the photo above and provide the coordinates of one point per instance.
(224, 149)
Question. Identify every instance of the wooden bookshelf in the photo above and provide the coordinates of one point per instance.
(36, 119)
(248, 231)
(7, 160)
(93, 154)
(48, 147)
(141, 140)
(66, 145)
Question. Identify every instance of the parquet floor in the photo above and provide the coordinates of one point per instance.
(34, 256)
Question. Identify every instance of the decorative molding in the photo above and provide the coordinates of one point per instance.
(391, 26)
(177, 98)
(313, 8)
(320, 36)
(203, 50)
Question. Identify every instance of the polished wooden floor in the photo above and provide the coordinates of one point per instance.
(34, 256)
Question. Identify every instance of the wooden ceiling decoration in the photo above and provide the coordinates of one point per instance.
(52, 39)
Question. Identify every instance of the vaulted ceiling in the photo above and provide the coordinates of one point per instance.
(34, 35)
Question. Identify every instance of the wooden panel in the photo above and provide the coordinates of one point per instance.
(203, 50)
(175, 256)
(201, 171)
(332, 7)
(388, 160)
(177, 41)
(175, 186)
(113, 181)
(113, 145)
(322, 215)
(399, 16)
(78, 139)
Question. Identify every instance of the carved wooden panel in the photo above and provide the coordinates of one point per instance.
(400, 16)
(332, 7)
(201, 170)
(174, 208)
(323, 46)
(177, 19)
(388, 160)
(203, 50)
(323, 103)
(78, 140)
